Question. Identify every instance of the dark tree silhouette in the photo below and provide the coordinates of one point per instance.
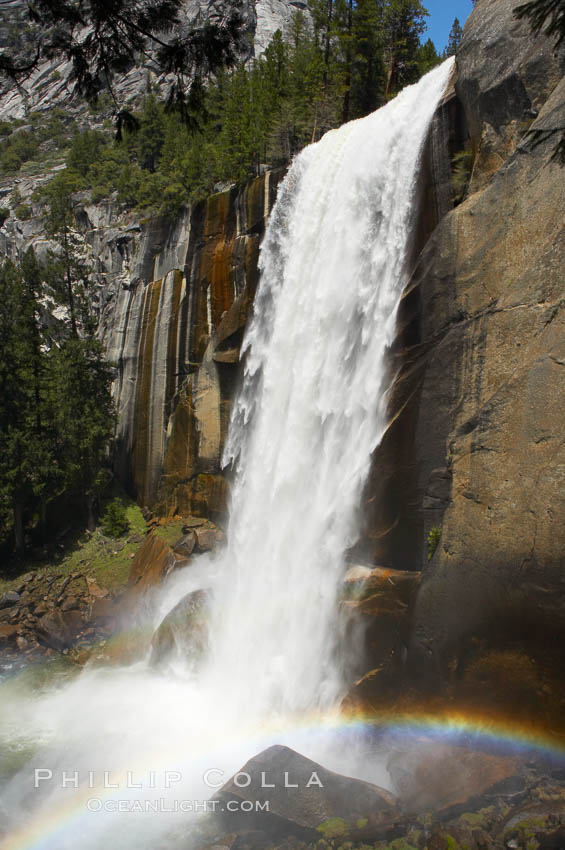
(102, 38)
(455, 36)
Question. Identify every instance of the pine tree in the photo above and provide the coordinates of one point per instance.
(147, 142)
(85, 150)
(455, 36)
(82, 412)
(404, 24)
(67, 272)
(25, 450)
(428, 57)
(368, 81)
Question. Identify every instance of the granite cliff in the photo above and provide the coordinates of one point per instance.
(475, 447)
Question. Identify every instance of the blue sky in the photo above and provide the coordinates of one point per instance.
(442, 15)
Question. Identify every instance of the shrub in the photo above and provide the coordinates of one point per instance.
(434, 536)
(334, 828)
(461, 171)
(4, 215)
(114, 520)
(23, 212)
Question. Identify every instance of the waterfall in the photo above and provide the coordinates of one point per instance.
(310, 413)
(313, 404)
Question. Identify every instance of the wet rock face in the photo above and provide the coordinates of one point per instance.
(492, 276)
(446, 780)
(173, 321)
(183, 632)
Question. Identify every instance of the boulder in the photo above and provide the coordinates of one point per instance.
(53, 630)
(9, 599)
(304, 799)
(102, 611)
(185, 546)
(95, 590)
(153, 561)
(205, 539)
(184, 631)
(7, 633)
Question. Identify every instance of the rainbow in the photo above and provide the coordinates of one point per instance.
(68, 815)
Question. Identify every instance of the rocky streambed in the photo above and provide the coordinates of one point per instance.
(50, 612)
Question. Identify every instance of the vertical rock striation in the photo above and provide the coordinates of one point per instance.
(173, 327)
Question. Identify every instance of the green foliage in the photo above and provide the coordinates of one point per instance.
(23, 212)
(84, 151)
(403, 844)
(259, 113)
(4, 215)
(56, 414)
(18, 148)
(81, 409)
(114, 519)
(428, 57)
(404, 24)
(67, 272)
(461, 171)
(28, 144)
(434, 536)
(25, 458)
(333, 828)
(455, 36)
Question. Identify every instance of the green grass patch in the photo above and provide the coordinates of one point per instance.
(106, 559)
(171, 532)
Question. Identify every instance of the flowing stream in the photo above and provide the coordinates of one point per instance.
(311, 411)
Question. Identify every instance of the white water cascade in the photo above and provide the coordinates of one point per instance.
(311, 412)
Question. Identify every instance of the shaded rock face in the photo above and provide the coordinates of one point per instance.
(505, 76)
(381, 603)
(302, 796)
(475, 444)
(172, 322)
